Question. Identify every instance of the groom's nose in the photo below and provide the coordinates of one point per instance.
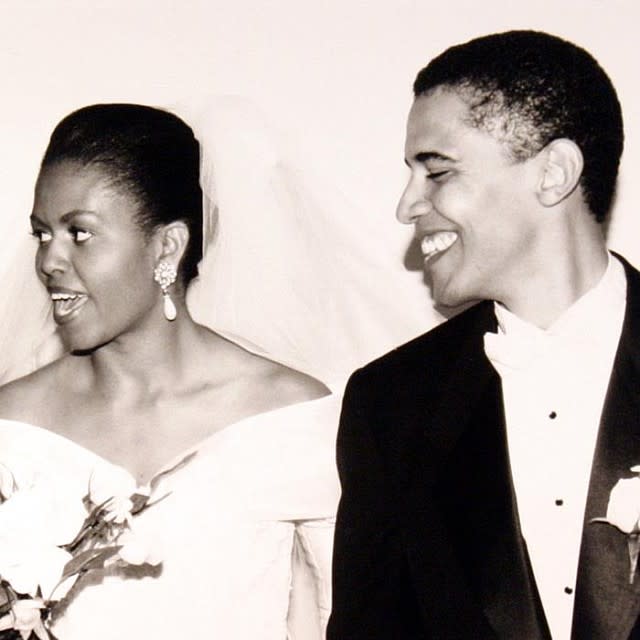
(414, 201)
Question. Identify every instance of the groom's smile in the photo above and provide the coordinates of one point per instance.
(471, 203)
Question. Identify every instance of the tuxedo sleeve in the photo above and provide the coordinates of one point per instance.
(372, 594)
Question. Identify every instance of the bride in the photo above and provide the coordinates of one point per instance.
(245, 527)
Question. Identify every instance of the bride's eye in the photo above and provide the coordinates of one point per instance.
(80, 235)
(41, 236)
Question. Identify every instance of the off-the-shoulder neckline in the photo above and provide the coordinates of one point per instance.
(226, 432)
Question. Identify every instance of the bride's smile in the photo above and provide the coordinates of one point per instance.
(93, 256)
(65, 304)
(118, 218)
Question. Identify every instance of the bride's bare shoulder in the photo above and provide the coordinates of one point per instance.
(31, 397)
(281, 383)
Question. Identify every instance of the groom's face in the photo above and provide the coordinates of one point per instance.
(471, 203)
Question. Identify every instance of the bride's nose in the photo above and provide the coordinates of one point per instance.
(51, 258)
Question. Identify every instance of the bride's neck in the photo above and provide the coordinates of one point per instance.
(147, 363)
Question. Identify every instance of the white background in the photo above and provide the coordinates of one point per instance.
(335, 75)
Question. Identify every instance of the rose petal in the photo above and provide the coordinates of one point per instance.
(110, 481)
(118, 510)
(138, 549)
(42, 512)
(7, 483)
(28, 618)
(6, 622)
(623, 510)
(27, 567)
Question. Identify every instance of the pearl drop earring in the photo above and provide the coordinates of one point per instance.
(165, 275)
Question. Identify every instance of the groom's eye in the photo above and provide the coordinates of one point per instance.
(437, 175)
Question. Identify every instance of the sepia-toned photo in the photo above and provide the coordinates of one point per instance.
(319, 320)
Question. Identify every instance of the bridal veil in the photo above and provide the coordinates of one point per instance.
(285, 271)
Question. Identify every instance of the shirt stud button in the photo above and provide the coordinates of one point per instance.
(568, 590)
(559, 502)
(553, 415)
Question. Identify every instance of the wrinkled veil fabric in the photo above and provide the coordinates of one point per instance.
(28, 337)
(288, 267)
(287, 271)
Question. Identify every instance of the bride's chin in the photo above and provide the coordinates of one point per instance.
(79, 343)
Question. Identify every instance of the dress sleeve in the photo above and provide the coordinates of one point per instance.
(292, 482)
(297, 462)
(310, 602)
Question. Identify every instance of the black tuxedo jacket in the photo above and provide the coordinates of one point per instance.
(428, 543)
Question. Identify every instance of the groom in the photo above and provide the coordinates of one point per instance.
(474, 459)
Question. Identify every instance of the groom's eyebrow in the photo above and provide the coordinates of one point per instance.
(426, 156)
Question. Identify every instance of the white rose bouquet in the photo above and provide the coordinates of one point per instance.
(46, 543)
(623, 512)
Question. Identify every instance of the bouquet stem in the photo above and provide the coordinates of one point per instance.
(633, 543)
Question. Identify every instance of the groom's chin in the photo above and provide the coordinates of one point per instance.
(447, 301)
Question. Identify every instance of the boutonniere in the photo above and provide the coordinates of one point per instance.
(623, 512)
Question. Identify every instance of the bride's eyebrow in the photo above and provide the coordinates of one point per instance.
(70, 216)
(65, 218)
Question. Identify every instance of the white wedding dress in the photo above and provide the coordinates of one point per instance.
(247, 517)
(288, 273)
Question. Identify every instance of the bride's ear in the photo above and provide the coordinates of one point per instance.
(172, 240)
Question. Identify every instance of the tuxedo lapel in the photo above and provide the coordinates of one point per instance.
(480, 507)
(606, 605)
(473, 490)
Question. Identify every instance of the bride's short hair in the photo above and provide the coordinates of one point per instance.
(150, 153)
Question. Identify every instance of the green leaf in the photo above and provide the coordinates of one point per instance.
(7, 598)
(138, 501)
(151, 504)
(91, 523)
(89, 559)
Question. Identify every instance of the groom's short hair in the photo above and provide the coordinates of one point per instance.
(527, 88)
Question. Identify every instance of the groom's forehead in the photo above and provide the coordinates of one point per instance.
(438, 126)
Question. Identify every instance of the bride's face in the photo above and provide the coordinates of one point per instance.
(95, 261)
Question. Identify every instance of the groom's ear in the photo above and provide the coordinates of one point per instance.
(172, 240)
(562, 164)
